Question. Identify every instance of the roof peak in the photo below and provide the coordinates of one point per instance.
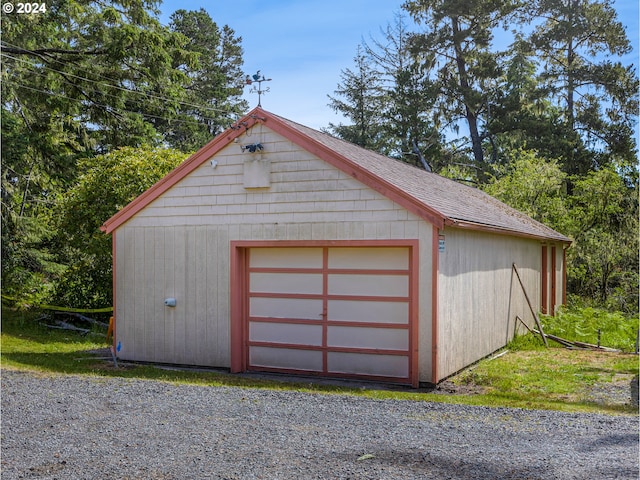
(436, 199)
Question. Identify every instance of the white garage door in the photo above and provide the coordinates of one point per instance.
(333, 311)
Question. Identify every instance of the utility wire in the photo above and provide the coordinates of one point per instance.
(148, 95)
(94, 102)
(111, 85)
(111, 109)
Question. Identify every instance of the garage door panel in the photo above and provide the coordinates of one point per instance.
(368, 364)
(295, 334)
(330, 311)
(285, 358)
(368, 338)
(367, 284)
(286, 282)
(371, 312)
(266, 307)
(387, 258)
(286, 257)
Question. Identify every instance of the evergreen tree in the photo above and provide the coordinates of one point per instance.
(408, 123)
(522, 115)
(214, 85)
(92, 74)
(597, 97)
(458, 34)
(361, 99)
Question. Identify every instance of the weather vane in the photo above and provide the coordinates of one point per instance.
(257, 78)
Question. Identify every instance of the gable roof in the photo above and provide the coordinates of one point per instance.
(440, 201)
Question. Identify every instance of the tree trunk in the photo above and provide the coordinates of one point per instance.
(570, 75)
(470, 114)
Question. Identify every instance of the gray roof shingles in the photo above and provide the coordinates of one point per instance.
(457, 203)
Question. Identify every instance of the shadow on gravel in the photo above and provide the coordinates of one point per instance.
(612, 441)
(456, 465)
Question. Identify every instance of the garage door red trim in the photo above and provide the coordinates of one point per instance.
(239, 301)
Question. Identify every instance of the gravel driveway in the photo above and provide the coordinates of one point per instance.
(69, 427)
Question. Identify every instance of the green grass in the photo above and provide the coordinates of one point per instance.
(528, 376)
(557, 378)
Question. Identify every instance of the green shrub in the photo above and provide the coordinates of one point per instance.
(583, 323)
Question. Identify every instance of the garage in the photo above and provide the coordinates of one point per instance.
(330, 311)
(313, 256)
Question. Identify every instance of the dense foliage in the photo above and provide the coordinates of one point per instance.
(526, 100)
(594, 325)
(107, 184)
(600, 215)
(82, 80)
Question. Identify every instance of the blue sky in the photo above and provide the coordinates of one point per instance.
(304, 45)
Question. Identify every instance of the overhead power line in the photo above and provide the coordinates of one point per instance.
(40, 73)
(112, 109)
(112, 83)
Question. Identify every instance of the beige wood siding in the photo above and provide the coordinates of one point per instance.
(155, 264)
(479, 295)
(178, 246)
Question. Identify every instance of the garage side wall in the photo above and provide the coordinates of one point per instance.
(179, 245)
(479, 295)
(153, 264)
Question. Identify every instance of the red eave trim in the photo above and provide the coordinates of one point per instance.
(184, 169)
(313, 146)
